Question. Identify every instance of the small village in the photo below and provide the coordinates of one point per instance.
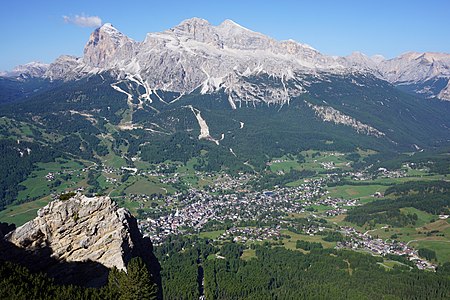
(250, 234)
(197, 209)
(363, 241)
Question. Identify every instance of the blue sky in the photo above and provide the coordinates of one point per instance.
(42, 30)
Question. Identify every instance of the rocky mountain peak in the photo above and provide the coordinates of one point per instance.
(32, 69)
(193, 22)
(104, 44)
(82, 229)
(108, 27)
(358, 60)
(229, 28)
(231, 24)
(416, 67)
(196, 29)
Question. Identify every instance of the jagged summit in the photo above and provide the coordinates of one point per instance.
(193, 22)
(105, 45)
(107, 26)
(109, 29)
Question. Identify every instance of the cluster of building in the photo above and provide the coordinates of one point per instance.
(380, 173)
(226, 182)
(338, 202)
(385, 173)
(50, 176)
(190, 212)
(276, 161)
(336, 212)
(357, 240)
(250, 234)
(174, 178)
(329, 165)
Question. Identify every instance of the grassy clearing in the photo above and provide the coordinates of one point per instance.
(365, 153)
(321, 208)
(20, 214)
(440, 225)
(16, 129)
(211, 234)
(248, 254)
(102, 182)
(404, 234)
(132, 206)
(364, 192)
(417, 172)
(286, 163)
(291, 243)
(114, 161)
(423, 217)
(37, 186)
(188, 168)
(442, 248)
(147, 186)
(389, 264)
(60, 165)
(143, 165)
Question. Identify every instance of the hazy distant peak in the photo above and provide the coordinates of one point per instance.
(378, 58)
(31, 69)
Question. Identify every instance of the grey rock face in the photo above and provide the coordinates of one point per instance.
(80, 229)
(196, 53)
(108, 47)
(329, 114)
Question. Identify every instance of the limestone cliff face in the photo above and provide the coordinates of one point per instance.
(105, 44)
(83, 229)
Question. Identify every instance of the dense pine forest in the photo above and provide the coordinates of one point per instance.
(193, 266)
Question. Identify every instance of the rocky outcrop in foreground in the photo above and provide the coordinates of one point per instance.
(80, 231)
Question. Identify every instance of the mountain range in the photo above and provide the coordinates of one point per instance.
(197, 54)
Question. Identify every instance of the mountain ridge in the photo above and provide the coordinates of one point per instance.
(195, 53)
